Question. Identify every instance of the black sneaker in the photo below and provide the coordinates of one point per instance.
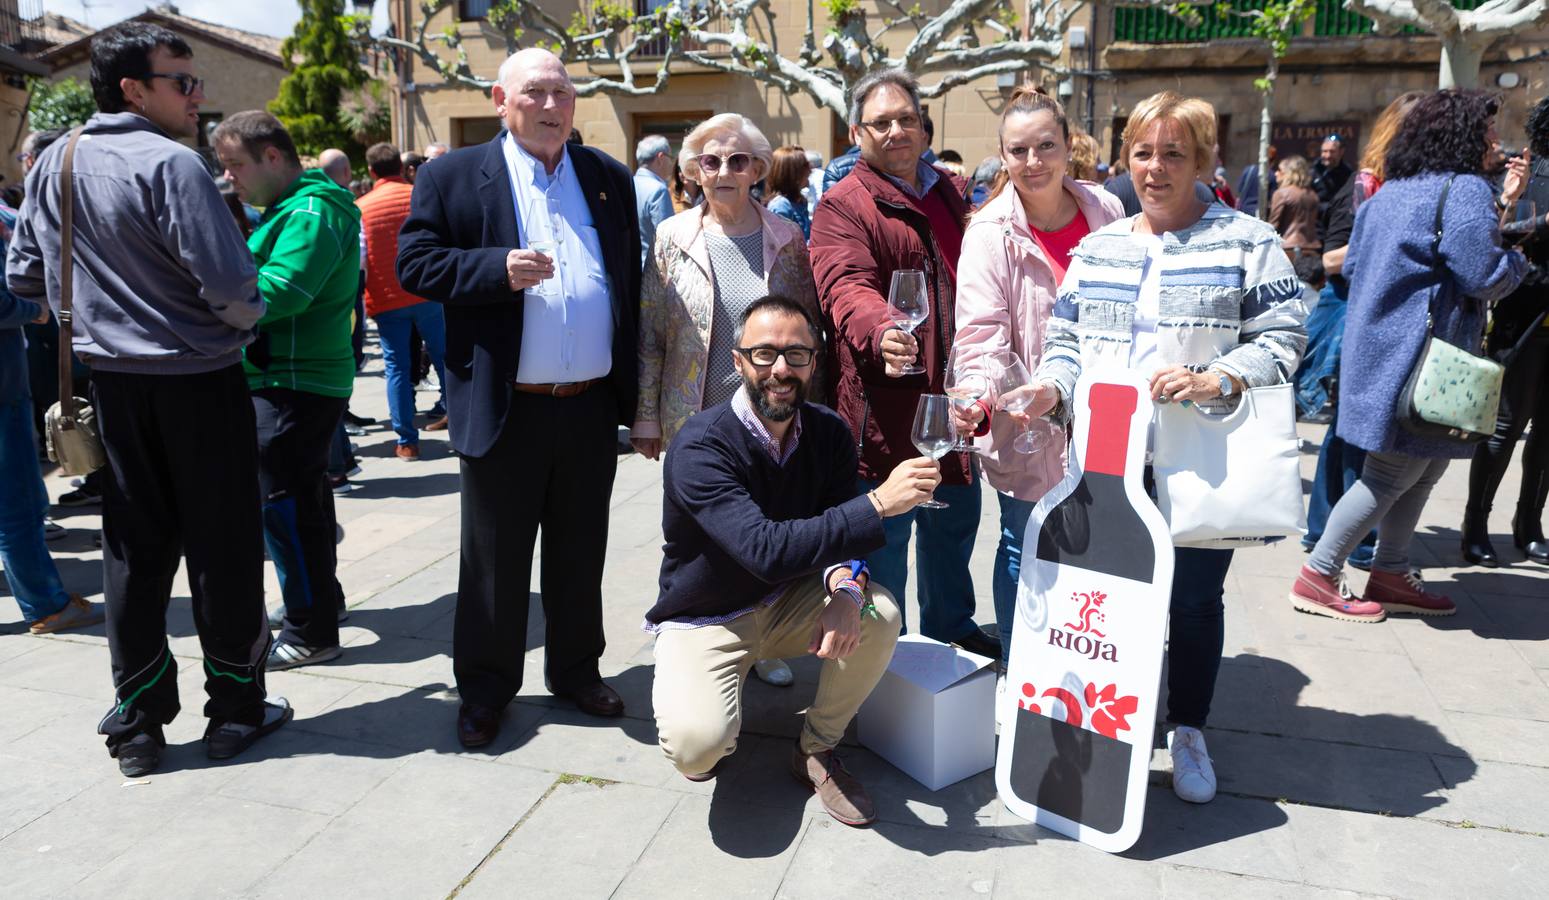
(140, 755)
(361, 421)
(977, 641)
(228, 739)
(285, 655)
(81, 496)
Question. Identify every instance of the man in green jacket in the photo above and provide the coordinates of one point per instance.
(300, 369)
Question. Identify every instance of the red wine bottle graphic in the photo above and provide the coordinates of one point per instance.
(1090, 625)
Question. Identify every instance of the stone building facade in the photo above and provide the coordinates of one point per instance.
(1337, 77)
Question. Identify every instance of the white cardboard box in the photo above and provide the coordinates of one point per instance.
(933, 713)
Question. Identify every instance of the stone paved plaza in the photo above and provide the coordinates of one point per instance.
(1406, 759)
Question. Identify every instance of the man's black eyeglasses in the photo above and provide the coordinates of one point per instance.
(186, 83)
(795, 357)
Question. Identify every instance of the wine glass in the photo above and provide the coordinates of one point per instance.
(1014, 389)
(934, 433)
(543, 229)
(909, 305)
(966, 382)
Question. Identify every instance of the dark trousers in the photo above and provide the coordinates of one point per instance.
(1196, 629)
(1524, 399)
(183, 461)
(295, 433)
(551, 468)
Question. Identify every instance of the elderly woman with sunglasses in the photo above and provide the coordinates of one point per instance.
(709, 264)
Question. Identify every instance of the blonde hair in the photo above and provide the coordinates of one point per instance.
(1196, 116)
(1083, 156)
(1375, 159)
(730, 124)
(1293, 171)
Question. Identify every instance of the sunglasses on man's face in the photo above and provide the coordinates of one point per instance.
(736, 163)
(186, 83)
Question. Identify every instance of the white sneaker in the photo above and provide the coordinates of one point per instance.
(1194, 780)
(774, 671)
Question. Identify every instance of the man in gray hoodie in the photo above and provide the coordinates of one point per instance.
(164, 301)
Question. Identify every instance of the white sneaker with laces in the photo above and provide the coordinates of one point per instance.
(1194, 780)
(774, 671)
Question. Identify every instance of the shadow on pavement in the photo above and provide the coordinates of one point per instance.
(408, 486)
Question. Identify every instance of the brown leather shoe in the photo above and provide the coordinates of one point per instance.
(841, 795)
(407, 452)
(595, 699)
(78, 613)
(437, 425)
(477, 724)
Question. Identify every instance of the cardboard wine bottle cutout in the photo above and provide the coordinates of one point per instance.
(1091, 619)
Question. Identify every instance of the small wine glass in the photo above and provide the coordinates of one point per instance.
(934, 432)
(967, 381)
(909, 305)
(542, 231)
(1015, 390)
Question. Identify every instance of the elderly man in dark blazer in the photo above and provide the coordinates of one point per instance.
(533, 247)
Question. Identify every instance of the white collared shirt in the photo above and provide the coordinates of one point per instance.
(568, 335)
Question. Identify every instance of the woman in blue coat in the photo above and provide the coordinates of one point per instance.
(1438, 158)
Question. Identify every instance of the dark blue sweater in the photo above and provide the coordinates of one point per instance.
(737, 524)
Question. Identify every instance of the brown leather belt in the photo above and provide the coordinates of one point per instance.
(563, 389)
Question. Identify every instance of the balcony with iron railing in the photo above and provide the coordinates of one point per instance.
(1156, 26)
(20, 23)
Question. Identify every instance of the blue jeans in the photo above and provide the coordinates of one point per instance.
(1339, 468)
(393, 330)
(941, 557)
(1325, 334)
(29, 569)
(1008, 565)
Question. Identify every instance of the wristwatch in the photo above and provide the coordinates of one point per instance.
(1227, 388)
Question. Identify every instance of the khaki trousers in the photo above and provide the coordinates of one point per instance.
(700, 672)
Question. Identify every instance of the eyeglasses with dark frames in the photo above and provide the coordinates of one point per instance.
(186, 83)
(797, 357)
(735, 163)
(882, 127)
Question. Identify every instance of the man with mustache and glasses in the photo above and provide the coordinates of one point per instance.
(898, 212)
(765, 531)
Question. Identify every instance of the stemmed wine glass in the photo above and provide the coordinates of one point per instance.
(934, 432)
(1014, 389)
(966, 382)
(543, 230)
(909, 305)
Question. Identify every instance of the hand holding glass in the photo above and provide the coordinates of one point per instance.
(966, 383)
(1016, 392)
(542, 232)
(934, 434)
(909, 305)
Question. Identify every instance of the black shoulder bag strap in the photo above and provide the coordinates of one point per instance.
(67, 281)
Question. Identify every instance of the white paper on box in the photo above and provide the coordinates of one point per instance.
(933, 713)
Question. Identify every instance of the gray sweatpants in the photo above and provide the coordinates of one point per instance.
(1390, 495)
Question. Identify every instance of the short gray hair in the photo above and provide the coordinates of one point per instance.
(814, 159)
(896, 77)
(650, 147)
(987, 170)
(725, 123)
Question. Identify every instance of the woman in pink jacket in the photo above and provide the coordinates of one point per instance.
(1015, 252)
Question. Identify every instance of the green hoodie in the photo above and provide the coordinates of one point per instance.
(308, 252)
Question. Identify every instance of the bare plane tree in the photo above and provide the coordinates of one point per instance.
(1464, 34)
(970, 39)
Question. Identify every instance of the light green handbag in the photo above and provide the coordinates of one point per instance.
(1451, 393)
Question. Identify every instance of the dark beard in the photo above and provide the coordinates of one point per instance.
(771, 411)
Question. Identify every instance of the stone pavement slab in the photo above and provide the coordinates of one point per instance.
(1406, 759)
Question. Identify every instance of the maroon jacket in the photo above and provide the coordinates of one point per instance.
(864, 228)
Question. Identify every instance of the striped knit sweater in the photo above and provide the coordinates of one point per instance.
(1228, 299)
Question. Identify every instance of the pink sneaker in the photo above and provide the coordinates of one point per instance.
(1404, 592)
(1321, 595)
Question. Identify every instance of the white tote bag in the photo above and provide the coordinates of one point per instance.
(1231, 480)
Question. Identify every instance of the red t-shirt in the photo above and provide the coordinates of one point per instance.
(1057, 245)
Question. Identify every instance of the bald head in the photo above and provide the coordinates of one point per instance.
(536, 99)
(336, 165)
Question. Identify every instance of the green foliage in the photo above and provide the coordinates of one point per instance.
(840, 11)
(59, 104)
(611, 16)
(505, 16)
(367, 114)
(325, 67)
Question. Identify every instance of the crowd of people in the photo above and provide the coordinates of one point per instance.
(769, 331)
